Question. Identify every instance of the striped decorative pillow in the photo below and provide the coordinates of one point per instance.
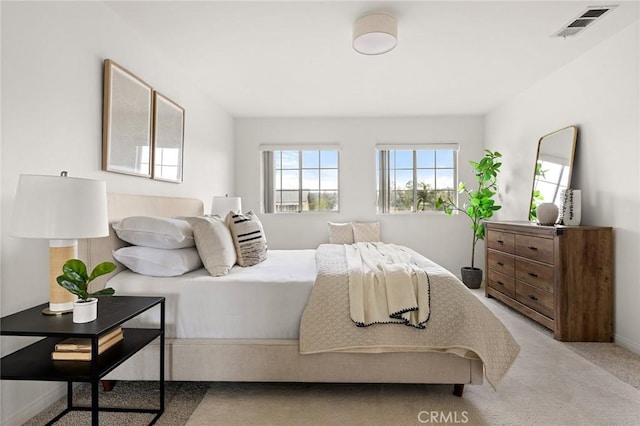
(248, 238)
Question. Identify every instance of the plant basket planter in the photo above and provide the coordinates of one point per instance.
(471, 277)
(85, 311)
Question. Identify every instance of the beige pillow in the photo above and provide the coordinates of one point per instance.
(214, 244)
(248, 238)
(340, 233)
(366, 232)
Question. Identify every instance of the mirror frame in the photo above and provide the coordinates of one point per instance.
(574, 139)
(138, 103)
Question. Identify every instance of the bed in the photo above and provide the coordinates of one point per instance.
(282, 333)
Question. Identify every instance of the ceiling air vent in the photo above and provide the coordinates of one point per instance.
(585, 19)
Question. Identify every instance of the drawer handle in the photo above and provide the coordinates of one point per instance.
(500, 242)
(499, 282)
(500, 263)
(532, 297)
(532, 248)
(533, 274)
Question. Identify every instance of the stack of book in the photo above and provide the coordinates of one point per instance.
(79, 349)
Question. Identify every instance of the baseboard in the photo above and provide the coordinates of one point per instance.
(627, 344)
(34, 407)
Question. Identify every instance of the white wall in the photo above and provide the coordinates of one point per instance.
(599, 92)
(444, 239)
(52, 57)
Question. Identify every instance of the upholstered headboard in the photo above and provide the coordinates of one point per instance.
(96, 250)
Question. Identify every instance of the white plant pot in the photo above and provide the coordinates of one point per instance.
(85, 311)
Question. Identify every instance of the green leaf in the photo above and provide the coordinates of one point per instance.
(72, 287)
(102, 269)
(104, 292)
(75, 267)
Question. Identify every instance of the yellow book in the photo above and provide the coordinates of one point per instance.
(86, 356)
(82, 344)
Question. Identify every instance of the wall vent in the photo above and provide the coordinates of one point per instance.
(585, 19)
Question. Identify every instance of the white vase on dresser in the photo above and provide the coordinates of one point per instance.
(571, 211)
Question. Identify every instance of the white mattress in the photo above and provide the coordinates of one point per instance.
(264, 301)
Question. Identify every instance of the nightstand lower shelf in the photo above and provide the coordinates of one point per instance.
(27, 363)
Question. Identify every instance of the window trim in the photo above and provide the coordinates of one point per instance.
(384, 179)
(268, 171)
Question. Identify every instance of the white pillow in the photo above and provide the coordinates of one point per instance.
(248, 238)
(156, 232)
(340, 233)
(366, 232)
(214, 243)
(158, 262)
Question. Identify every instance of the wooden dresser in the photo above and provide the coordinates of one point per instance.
(559, 276)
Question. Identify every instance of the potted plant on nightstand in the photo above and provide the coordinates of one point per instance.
(478, 207)
(76, 280)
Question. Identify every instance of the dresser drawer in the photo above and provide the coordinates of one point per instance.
(501, 262)
(503, 283)
(498, 240)
(535, 248)
(535, 274)
(535, 298)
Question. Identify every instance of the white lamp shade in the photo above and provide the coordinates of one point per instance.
(375, 34)
(221, 206)
(60, 208)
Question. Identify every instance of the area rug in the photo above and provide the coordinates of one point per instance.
(549, 384)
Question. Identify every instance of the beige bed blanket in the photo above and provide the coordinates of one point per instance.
(459, 323)
(386, 286)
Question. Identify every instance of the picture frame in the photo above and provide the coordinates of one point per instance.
(127, 122)
(168, 139)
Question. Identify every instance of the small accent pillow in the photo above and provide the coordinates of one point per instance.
(214, 243)
(248, 238)
(156, 232)
(340, 233)
(366, 232)
(158, 262)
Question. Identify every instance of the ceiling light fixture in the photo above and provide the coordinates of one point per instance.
(375, 34)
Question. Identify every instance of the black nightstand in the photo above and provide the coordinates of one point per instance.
(34, 361)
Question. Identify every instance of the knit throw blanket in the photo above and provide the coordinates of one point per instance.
(386, 286)
(458, 323)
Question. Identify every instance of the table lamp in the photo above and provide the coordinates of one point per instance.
(221, 206)
(61, 209)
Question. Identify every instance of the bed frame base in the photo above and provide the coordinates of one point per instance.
(243, 360)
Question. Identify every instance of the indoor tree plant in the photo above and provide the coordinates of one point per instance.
(478, 207)
(76, 280)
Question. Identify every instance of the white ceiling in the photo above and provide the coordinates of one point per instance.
(295, 58)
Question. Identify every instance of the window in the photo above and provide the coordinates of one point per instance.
(304, 180)
(411, 178)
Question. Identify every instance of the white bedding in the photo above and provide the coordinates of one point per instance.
(264, 301)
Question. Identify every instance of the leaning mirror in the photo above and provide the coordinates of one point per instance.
(126, 137)
(553, 167)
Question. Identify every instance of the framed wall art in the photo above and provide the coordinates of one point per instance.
(127, 122)
(168, 139)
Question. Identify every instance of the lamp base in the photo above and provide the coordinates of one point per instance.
(47, 311)
(60, 299)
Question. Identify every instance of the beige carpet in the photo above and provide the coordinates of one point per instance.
(551, 383)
